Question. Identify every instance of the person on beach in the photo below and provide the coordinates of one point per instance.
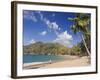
(50, 61)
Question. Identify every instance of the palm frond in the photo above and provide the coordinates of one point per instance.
(72, 19)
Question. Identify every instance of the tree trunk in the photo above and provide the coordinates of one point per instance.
(86, 46)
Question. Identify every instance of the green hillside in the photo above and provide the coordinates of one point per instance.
(53, 49)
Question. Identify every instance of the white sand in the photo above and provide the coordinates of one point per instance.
(72, 62)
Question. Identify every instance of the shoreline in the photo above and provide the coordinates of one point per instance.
(71, 62)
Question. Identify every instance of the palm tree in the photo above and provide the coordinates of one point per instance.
(81, 24)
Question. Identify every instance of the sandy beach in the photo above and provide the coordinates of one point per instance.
(83, 61)
(74, 61)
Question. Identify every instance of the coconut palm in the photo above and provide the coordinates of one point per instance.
(81, 24)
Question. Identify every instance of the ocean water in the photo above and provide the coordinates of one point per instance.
(28, 58)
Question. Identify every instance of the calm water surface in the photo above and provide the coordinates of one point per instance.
(28, 58)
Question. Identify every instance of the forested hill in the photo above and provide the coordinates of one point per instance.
(45, 48)
(54, 49)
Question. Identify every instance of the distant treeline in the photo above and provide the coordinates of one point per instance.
(54, 49)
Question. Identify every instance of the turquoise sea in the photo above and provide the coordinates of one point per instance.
(28, 58)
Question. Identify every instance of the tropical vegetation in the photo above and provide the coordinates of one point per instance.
(82, 25)
(52, 49)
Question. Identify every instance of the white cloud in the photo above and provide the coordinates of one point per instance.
(30, 16)
(55, 26)
(32, 41)
(64, 38)
(33, 18)
(40, 14)
(43, 33)
(53, 14)
(59, 28)
(52, 25)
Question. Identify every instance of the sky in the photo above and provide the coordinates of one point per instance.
(46, 26)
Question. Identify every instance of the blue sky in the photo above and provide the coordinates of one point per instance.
(46, 26)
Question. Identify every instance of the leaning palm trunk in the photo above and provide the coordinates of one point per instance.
(86, 46)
